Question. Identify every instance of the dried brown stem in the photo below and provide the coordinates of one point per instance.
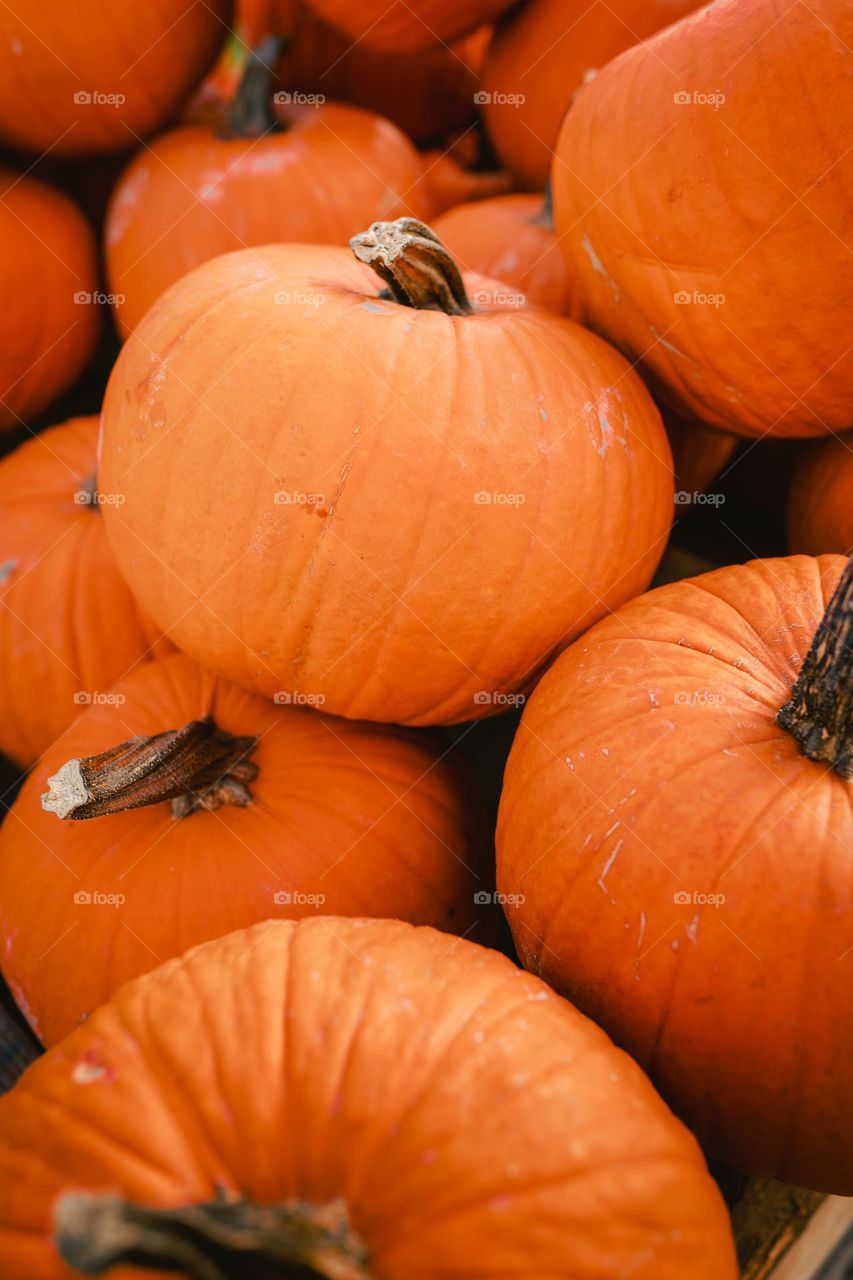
(415, 265)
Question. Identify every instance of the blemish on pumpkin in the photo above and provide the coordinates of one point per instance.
(429, 1156)
(499, 1204)
(608, 864)
(665, 343)
(543, 415)
(676, 944)
(89, 1071)
(642, 931)
(692, 929)
(375, 309)
(7, 568)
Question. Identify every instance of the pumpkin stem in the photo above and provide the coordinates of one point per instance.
(86, 494)
(250, 112)
(415, 265)
(820, 712)
(197, 767)
(222, 1240)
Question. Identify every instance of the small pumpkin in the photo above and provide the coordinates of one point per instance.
(390, 477)
(676, 826)
(449, 179)
(69, 627)
(699, 455)
(291, 171)
(820, 506)
(539, 56)
(428, 93)
(48, 278)
(405, 26)
(510, 238)
(347, 1099)
(189, 807)
(701, 191)
(98, 77)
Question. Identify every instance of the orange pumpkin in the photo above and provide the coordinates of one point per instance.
(404, 26)
(449, 182)
(820, 507)
(677, 816)
(93, 77)
(390, 477)
(510, 238)
(348, 1098)
(538, 58)
(702, 191)
(48, 273)
(428, 93)
(197, 191)
(69, 627)
(276, 810)
(699, 455)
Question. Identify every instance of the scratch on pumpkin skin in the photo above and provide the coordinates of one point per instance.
(608, 864)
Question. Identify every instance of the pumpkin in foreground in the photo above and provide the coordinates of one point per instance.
(679, 827)
(97, 77)
(264, 173)
(69, 627)
(510, 238)
(48, 278)
(184, 807)
(400, 503)
(702, 189)
(820, 505)
(360, 1097)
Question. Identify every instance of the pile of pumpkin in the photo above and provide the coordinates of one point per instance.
(403, 292)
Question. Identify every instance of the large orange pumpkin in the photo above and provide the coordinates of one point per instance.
(702, 192)
(538, 58)
(820, 505)
(403, 26)
(510, 238)
(95, 77)
(69, 627)
(347, 1099)
(679, 823)
(368, 495)
(48, 281)
(318, 174)
(320, 817)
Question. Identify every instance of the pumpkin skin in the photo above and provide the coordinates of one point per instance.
(510, 238)
(355, 582)
(148, 55)
(192, 195)
(699, 455)
(69, 627)
(428, 94)
(396, 834)
(46, 336)
(542, 50)
(401, 1070)
(450, 182)
(648, 768)
(820, 506)
(405, 26)
(695, 227)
